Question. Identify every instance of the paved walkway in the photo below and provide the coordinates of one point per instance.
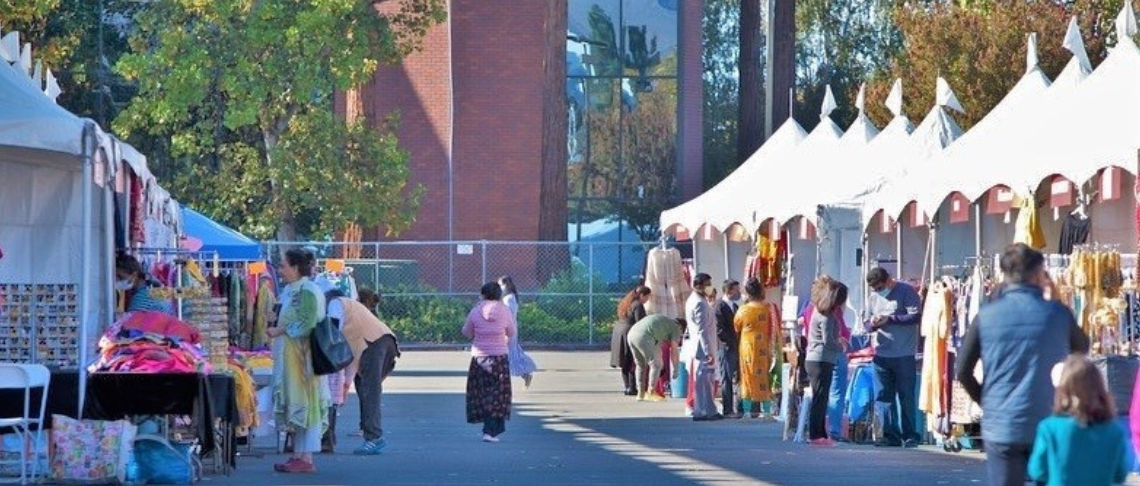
(573, 427)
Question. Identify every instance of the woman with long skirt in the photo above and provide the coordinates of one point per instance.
(490, 326)
(760, 339)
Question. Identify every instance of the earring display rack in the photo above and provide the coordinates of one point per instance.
(211, 316)
(39, 323)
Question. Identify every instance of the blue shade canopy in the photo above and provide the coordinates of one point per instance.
(229, 244)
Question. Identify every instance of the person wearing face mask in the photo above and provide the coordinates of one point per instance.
(728, 355)
(1018, 338)
(132, 280)
(897, 311)
(522, 364)
(702, 351)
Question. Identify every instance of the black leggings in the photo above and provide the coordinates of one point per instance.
(819, 375)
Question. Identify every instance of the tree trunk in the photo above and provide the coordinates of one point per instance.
(553, 191)
(287, 228)
(749, 118)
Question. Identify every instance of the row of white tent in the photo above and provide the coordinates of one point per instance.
(842, 182)
(56, 189)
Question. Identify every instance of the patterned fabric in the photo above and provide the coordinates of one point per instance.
(759, 334)
(90, 451)
(142, 300)
(488, 389)
(300, 398)
(665, 277)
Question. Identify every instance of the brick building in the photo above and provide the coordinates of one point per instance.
(471, 105)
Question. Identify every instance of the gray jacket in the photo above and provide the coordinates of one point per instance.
(823, 338)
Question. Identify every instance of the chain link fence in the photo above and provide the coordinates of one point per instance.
(568, 292)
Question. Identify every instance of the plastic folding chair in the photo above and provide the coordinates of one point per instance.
(26, 377)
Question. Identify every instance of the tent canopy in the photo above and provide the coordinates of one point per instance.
(216, 237)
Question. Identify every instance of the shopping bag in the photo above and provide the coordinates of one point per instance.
(329, 348)
(90, 451)
(159, 461)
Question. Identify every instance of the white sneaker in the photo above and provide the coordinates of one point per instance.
(488, 438)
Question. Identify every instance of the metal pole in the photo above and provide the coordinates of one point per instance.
(898, 249)
(727, 274)
(450, 156)
(977, 229)
(484, 252)
(376, 267)
(85, 266)
(590, 270)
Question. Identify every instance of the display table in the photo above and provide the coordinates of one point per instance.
(112, 396)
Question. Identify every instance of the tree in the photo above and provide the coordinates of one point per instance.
(65, 35)
(750, 124)
(979, 48)
(839, 44)
(722, 89)
(243, 89)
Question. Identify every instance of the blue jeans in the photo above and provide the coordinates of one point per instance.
(837, 402)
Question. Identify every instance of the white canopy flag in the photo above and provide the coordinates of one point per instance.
(946, 98)
(1076, 44)
(10, 47)
(52, 89)
(861, 99)
(895, 98)
(1125, 23)
(828, 105)
(38, 75)
(1031, 53)
(26, 59)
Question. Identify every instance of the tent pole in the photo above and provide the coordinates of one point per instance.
(977, 229)
(85, 281)
(109, 234)
(727, 274)
(898, 249)
(865, 264)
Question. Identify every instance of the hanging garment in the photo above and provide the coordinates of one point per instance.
(1074, 231)
(1028, 228)
(264, 307)
(936, 317)
(665, 277)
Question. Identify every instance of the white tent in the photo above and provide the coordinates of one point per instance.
(56, 194)
(721, 206)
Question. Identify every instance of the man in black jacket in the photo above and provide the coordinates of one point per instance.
(728, 354)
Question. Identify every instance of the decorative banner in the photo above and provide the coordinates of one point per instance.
(959, 208)
(999, 200)
(886, 225)
(1061, 192)
(335, 266)
(708, 233)
(257, 268)
(1110, 184)
(917, 217)
(806, 229)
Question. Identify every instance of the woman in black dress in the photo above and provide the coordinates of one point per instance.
(630, 310)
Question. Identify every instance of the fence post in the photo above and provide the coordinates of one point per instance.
(590, 270)
(484, 243)
(376, 267)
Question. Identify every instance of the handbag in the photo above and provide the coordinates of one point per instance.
(158, 461)
(329, 348)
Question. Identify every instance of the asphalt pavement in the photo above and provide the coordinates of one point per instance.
(574, 427)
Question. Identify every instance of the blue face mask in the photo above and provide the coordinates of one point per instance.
(883, 292)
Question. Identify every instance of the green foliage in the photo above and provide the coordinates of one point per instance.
(243, 90)
(419, 315)
(721, 89)
(64, 34)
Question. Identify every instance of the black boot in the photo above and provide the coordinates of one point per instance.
(630, 382)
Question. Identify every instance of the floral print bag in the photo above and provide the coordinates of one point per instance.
(90, 451)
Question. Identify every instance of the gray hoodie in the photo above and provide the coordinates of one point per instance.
(823, 338)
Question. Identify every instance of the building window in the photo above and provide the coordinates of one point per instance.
(621, 63)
